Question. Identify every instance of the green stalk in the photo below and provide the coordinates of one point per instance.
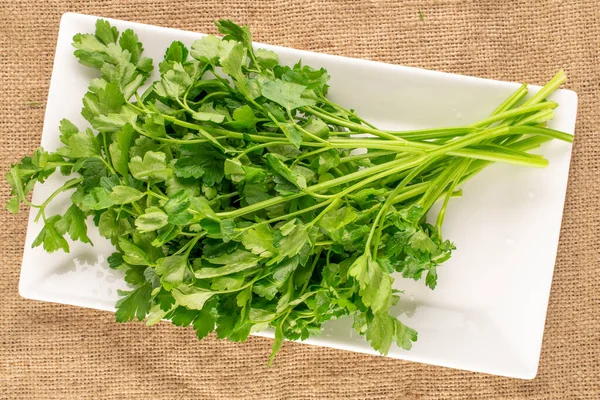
(462, 168)
(435, 133)
(314, 188)
(306, 155)
(340, 108)
(373, 154)
(537, 118)
(260, 146)
(378, 222)
(67, 185)
(543, 93)
(436, 188)
(349, 124)
(548, 88)
(512, 100)
(525, 109)
(301, 129)
(441, 150)
(419, 148)
(415, 162)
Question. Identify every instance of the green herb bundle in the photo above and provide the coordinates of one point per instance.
(235, 198)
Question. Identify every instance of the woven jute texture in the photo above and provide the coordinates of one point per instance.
(50, 351)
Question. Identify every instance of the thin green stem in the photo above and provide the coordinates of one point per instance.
(107, 153)
(225, 196)
(335, 200)
(537, 118)
(372, 154)
(156, 195)
(378, 222)
(213, 94)
(434, 133)
(105, 162)
(525, 109)
(304, 131)
(187, 248)
(260, 146)
(437, 187)
(460, 171)
(548, 88)
(250, 283)
(69, 184)
(512, 100)
(306, 155)
(184, 105)
(420, 148)
(340, 108)
(352, 125)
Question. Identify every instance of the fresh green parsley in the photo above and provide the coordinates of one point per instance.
(234, 198)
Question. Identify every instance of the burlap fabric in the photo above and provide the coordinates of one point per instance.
(50, 351)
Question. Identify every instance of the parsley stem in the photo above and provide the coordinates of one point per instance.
(128, 211)
(184, 106)
(188, 234)
(193, 243)
(59, 164)
(235, 135)
(260, 146)
(378, 222)
(69, 184)
(257, 277)
(434, 133)
(512, 100)
(107, 164)
(210, 95)
(451, 148)
(306, 155)
(186, 248)
(515, 112)
(340, 108)
(420, 148)
(411, 191)
(156, 195)
(137, 208)
(301, 129)
(351, 125)
(537, 118)
(462, 167)
(372, 154)
(225, 196)
(324, 243)
(325, 185)
(136, 108)
(416, 147)
(548, 88)
(107, 153)
(405, 165)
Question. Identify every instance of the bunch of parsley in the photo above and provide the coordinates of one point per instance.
(234, 197)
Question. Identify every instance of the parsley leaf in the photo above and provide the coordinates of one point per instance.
(134, 304)
(152, 167)
(286, 94)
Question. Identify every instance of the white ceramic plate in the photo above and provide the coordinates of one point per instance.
(487, 313)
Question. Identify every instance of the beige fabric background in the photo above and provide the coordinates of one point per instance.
(50, 351)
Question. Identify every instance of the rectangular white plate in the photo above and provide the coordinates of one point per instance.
(487, 313)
